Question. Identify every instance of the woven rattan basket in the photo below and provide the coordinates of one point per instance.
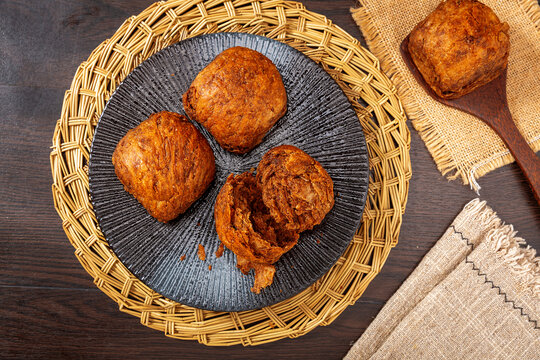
(369, 90)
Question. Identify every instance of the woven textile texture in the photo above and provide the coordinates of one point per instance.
(475, 295)
(373, 97)
(462, 145)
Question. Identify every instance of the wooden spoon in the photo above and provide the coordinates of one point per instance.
(490, 105)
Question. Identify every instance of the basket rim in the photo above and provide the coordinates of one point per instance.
(361, 141)
(70, 180)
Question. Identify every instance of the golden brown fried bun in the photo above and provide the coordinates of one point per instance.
(244, 225)
(165, 163)
(459, 47)
(295, 188)
(238, 97)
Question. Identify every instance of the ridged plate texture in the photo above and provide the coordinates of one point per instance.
(319, 120)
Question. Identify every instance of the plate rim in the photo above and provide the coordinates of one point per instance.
(362, 145)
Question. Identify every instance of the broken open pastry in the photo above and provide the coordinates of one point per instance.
(245, 226)
(259, 229)
(295, 187)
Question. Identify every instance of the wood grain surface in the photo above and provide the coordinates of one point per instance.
(49, 307)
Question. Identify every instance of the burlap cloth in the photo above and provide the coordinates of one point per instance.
(475, 295)
(461, 145)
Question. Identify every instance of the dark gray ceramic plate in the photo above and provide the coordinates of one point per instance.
(319, 120)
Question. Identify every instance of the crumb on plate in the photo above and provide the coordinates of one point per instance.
(201, 253)
(219, 251)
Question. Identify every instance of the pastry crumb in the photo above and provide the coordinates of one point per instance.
(183, 257)
(209, 267)
(201, 253)
(219, 251)
(198, 224)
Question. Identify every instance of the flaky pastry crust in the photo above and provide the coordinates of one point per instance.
(459, 47)
(238, 97)
(295, 188)
(165, 163)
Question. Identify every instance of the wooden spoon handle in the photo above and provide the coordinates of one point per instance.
(525, 157)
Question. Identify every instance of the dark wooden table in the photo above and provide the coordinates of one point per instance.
(49, 307)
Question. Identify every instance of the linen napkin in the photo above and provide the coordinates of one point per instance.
(475, 295)
(461, 145)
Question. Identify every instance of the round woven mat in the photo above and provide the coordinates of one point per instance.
(356, 70)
